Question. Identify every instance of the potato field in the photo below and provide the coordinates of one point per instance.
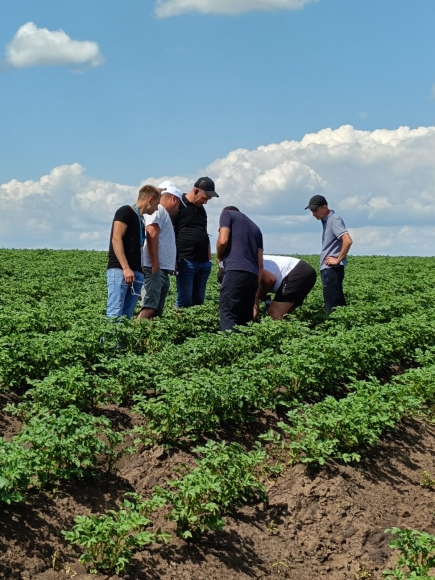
(171, 450)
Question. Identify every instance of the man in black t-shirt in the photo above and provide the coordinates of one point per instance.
(193, 245)
(240, 247)
(124, 270)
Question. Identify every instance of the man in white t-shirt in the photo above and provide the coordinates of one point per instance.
(290, 279)
(160, 252)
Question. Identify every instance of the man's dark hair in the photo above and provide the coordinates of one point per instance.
(231, 207)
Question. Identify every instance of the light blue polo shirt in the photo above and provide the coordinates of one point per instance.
(333, 229)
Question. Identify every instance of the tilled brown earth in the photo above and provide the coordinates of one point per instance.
(328, 524)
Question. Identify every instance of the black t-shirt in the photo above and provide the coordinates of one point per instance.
(244, 242)
(190, 225)
(131, 240)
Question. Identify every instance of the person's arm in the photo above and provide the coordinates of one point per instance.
(345, 247)
(119, 229)
(268, 281)
(153, 246)
(222, 242)
(209, 245)
(260, 265)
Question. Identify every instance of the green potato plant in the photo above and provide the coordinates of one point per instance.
(16, 471)
(53, 447)
(63, 388)
(111, 540)
(222, 479)
(416, 555)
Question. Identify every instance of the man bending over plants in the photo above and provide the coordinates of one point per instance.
(124, 270)
(290, 279)
(240, 247)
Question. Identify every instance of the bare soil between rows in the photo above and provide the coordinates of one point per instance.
(329, 524)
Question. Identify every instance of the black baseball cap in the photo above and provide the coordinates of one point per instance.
(315, 202)
(207, 185)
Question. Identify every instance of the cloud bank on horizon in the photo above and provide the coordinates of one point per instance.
(168, 8)
(381, 182)
(32, 46)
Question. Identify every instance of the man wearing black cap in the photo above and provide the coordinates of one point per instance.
(193, 244)
(336, 243)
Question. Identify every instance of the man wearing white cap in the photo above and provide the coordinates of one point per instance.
(160, 252)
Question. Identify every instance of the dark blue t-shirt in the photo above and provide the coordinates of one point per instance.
(245, 240)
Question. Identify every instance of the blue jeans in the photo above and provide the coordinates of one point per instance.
(120, 299)
(191, 282)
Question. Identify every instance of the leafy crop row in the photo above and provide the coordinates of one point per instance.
(52, 447)
(222, 479)
(62, 320)
(186, 379)
(340, 428)
(196, 404)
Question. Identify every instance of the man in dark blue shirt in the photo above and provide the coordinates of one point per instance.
(240, 247)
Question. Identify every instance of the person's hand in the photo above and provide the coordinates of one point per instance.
(256, 307)
(155, 269)
(220, 275)
(128, 276)
(331, 261)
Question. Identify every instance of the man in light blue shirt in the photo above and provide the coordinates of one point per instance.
(336, 243)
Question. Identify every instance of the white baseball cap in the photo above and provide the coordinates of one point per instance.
(170, 187)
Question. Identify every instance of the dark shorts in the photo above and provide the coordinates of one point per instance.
(297, 284)
(154, 290)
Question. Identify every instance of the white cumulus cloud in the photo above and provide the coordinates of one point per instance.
(383, 175)
(381, 182)
(64, 209)
(167, 8)
(33, 46)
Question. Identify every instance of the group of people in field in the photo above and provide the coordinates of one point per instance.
(165, 233)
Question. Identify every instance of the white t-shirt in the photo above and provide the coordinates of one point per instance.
(280, 266)
(167, 246)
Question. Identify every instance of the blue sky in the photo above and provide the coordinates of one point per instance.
(175, 94)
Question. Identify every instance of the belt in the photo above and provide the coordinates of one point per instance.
(167, 272)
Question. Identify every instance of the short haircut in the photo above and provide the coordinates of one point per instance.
(148, 191)
(231, 207)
